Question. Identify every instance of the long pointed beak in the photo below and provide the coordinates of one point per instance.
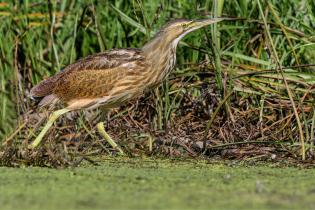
(204, 22)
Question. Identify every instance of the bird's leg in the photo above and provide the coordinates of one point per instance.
(53, 117)
(101, 130)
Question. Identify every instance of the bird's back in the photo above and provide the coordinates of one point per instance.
(99, 78)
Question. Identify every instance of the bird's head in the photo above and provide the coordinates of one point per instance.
(180, 27)
(175, 30)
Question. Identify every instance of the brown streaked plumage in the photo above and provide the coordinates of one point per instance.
(111, 78)
(96, 79)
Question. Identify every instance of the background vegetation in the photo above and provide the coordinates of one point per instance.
(260, 66)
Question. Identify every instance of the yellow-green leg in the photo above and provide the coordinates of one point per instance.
(101, 130)
(53, 117)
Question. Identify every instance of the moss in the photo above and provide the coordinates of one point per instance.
(157, 184)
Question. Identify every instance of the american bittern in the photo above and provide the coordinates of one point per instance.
(111, 78)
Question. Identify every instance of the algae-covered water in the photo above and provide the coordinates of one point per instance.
(157, 184)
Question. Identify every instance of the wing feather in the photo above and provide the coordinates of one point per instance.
(97, 75)
(97, 72)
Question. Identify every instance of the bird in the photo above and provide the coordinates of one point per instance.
(109, 79)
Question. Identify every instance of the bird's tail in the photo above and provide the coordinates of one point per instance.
(43, 89)
(44, 92)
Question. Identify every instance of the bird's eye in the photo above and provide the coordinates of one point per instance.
(185, 25)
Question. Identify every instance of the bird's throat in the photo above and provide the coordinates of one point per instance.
(161, 55)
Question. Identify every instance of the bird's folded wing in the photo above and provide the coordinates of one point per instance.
(96, 72)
